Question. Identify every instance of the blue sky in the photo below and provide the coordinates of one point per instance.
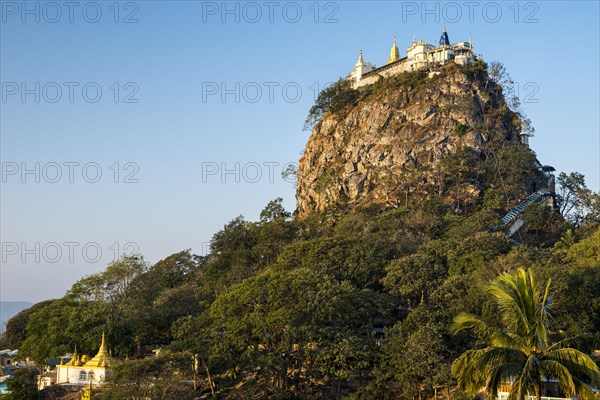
(202, 101)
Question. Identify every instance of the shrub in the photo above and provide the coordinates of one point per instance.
(332, 98)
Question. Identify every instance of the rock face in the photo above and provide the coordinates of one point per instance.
(394, 133)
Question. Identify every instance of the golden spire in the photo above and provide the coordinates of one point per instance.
(394, 52)
(360, 57)
(102, 359)
(471, 41)
(103, 344)
(75, 361)
(414, 39)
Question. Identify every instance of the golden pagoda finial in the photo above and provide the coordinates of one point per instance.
(102, 350)
(74, 358)
(360, 57)
(77, 362)
(394, 52)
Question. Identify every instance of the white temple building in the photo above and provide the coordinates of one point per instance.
(418, 55)
(83, 372)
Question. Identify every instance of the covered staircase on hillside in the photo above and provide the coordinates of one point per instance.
(518, 210)
(514, 215)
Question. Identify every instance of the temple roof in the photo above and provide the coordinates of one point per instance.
(75, 360)
(102, 359)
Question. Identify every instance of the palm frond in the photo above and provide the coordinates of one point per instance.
(509, 302)
(554, 369)
(577, 363)
(483, 330)
(518, 391)
(469, 378)
(494, 357)
(583, 391)
(568, 341)
(464, 321)
(506, 373)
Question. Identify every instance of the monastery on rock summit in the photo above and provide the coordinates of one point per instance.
(418, 55)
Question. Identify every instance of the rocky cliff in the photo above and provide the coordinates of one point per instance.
(384, 142)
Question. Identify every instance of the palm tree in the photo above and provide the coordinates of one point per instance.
(520, 351)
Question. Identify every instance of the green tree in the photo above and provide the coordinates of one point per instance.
(421, 362)
(63, 325)
(279, 322)
(160, 296)
(537, 217)
(477, 251)
(95, 304)
(347, 355)
(543, 222)
(275, 230)
(274, 210)
(576, 202)
(160, 378)
(586, 252)
(231, 258)
(510, 169)
(332, 98)
(360, 260)
(16, 328)
(414, 277)
(22, 385)
(520, 352)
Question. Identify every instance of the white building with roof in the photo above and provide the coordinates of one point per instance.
(419, 55)
(82, 372)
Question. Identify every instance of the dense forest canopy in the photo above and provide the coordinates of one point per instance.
(287, 308)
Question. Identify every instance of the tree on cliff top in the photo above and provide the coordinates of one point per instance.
(332, 98)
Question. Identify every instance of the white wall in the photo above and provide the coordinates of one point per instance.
(72, 375)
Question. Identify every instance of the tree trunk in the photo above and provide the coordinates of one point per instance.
(210, 381)
(283, 376)
(435, 392)
(538, 390)
(195, 369)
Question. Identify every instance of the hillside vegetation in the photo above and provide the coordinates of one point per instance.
(354, 296)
